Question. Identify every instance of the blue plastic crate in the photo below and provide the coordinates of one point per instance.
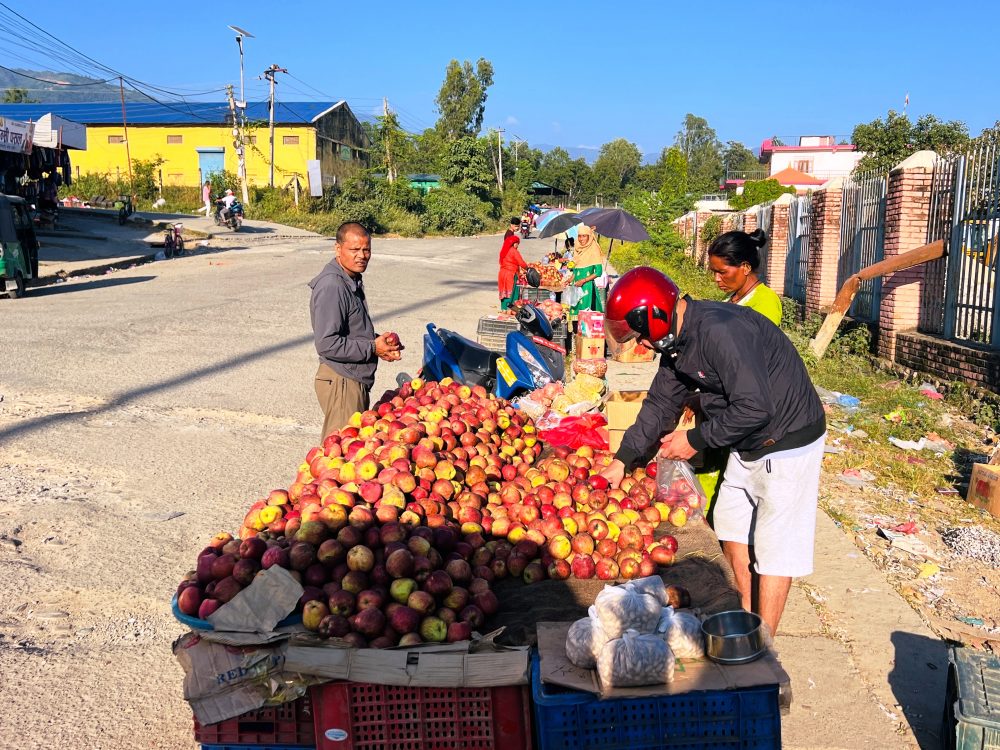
(746, 719)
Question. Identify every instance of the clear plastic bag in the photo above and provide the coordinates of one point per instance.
(635, 660)
(571, 294)
(677, 487)
(621, 608)
(682, 632)
(652, 586)
(585, 640)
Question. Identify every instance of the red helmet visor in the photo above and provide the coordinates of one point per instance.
(636, 324)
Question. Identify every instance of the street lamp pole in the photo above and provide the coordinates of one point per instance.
(238, 123)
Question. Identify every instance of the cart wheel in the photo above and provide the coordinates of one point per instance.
(168, 246)
(122, 216)
(19, 287)
(179, 247)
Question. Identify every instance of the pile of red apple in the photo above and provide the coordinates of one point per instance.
(398, 524)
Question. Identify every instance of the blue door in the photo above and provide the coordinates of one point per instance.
(210, 161)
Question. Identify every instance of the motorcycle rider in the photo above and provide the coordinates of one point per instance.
(225, 203)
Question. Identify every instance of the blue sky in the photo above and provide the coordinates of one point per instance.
(572, 74)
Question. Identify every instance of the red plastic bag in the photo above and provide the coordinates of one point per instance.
(587, 429)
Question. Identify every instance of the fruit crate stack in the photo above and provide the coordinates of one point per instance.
(972, 701)
(492, 332)
(289, 725)
(743, 719)
(364, 716)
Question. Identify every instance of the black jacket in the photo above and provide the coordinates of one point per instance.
(757, 396)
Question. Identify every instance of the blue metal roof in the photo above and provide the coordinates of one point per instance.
(154, 113)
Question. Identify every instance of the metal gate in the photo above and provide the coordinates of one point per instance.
(799, 222)
(939, 223)
(764, 213)
(862, 240)
(972, 304)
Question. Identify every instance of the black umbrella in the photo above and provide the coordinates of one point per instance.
(617, 224)
(559, 225)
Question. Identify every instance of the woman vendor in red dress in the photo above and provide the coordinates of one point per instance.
(510, 263)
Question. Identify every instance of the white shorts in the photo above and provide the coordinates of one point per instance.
(771, 505)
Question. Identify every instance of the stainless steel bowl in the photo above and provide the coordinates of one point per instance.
(733, 637)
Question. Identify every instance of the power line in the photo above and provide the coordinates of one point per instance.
(55, 83)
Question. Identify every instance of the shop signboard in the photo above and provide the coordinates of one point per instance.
(16, 135)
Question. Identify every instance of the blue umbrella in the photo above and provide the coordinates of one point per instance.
(548, 216)
(559, 224)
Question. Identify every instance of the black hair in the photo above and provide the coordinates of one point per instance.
(351, 227)
(515, 220)
(739, 247)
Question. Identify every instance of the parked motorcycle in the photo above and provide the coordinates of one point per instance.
(530, 359)
(525, 229)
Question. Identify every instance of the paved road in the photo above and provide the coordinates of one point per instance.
(185, 387)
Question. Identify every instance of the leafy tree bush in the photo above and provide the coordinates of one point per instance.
(454, 211)
(145, 177)
(756, 192)
(711, 229)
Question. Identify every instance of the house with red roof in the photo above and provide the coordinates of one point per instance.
(815, 160)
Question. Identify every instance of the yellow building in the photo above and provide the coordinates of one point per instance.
(197, 139)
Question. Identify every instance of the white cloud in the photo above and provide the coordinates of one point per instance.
(511, 120)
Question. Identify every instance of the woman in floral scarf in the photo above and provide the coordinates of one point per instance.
(588, 260)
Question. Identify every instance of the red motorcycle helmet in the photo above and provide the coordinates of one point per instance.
(642, 304)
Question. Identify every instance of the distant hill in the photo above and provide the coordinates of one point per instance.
(52, 92)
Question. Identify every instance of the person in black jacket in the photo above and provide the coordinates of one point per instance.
(757, 400)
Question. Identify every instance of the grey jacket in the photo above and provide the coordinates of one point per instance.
(342, 327)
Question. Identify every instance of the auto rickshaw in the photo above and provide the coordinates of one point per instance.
(18, 246)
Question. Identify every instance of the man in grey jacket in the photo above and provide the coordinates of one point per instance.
(345, 337)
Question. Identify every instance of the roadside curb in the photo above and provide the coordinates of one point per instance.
(99, 268)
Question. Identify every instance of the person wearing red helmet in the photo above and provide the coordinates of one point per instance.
(757, 400)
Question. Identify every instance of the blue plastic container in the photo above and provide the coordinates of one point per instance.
(196, 623)
(746, 719)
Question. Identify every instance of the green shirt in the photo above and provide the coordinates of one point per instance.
(763, 299)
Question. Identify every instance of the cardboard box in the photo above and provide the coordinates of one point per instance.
(591, 324)
(615, 440)
(623, 408)
(589, 348)
(984, 488)
(689, 674)
(630, 351)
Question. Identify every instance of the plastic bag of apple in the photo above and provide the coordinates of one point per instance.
(398, 525)
(677, 488)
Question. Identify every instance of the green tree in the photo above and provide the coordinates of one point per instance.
(16, 95)
(558, 169)
(756, 192)
(392, 147)
(469, 167)
(989, 136)
(885, 143)
(429, 152)
(462, 98)
(700, 146)
(616, 165)
(738, 158)
(675, 173)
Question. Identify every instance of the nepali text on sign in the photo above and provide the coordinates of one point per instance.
(16, 135)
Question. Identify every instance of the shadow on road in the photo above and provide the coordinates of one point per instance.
(86, 286)
(918, 680)
(239, 360)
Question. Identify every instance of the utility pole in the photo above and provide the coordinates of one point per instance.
(238, 145)
(128, 150)
(390, 169)
(500, 133)
(269, 75)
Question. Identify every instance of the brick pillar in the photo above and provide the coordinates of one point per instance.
(824, 246)
(907, 209)
(749, 221)
(778, 252)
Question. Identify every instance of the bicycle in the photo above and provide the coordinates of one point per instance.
(125, 209)
(173, 241)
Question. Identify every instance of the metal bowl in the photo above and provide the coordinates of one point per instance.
(733, 637)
